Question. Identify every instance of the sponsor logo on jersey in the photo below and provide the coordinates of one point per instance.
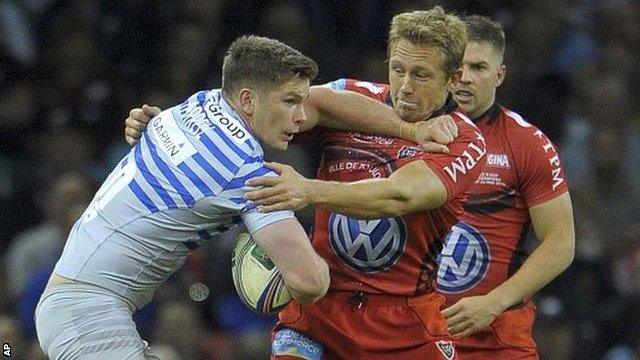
(368, 139)
(171, 140)
(194, 117)
(348, 166)
(373, 88)
(367, 246)
(464, 260)
(231, 126)
(468, 160)
(408, 151)
(498, 160)
(446, 348)
(554, 159)
(489, 178)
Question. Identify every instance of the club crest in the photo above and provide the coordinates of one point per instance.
(446, 348)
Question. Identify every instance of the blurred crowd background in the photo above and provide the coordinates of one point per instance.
(71, 70)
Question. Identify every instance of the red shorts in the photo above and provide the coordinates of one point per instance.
(508, 337)
(343, 325)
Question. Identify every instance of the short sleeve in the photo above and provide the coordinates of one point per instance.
(234, 193)
(542, 176)
(255, 220)
(460, 168)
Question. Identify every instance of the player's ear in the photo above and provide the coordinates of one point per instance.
(248, 98)
(502, 72)
(454, 79)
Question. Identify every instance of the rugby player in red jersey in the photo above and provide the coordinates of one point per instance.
(484, 270)
(382, 303)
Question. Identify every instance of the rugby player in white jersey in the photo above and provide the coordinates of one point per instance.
(181, 185)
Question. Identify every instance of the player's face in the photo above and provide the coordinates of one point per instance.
(279, 113)
(419, 85)
(482, 73)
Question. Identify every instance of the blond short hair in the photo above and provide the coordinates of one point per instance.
(445, 32)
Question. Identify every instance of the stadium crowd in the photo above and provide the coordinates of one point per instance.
(70, 70)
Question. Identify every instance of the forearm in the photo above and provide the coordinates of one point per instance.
(366, 199)
(413, 187)
(304, 272)
(547, 262)
(347, 110)
(323, 272)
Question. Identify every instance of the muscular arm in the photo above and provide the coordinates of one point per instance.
(304, 272)
(340, 109)
(553, 224)
(348, 110)
(413, 187)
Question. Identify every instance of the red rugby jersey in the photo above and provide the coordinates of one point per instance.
(522, 170)
(395, 255)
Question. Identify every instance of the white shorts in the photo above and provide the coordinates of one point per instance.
(84, 321)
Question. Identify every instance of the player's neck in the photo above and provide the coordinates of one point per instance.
(447, 106)
(246, 118)
(482, 112)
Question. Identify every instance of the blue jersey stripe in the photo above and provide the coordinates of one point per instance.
(142, 196)
(224, 137)
(209, 169)
(164, 195)
(166, 171)
(242, 201)
(201, 96)
(218, 153)
(252, 160)
(239, 181)
(250, 145)
(195, 179)
(239, 201)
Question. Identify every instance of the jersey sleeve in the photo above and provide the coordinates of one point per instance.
(460, 168)
(373, 90)
(255, 220)
(376, 91)
(234, 195)
(542, 176)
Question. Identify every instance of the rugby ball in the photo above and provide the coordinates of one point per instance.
(256, 278)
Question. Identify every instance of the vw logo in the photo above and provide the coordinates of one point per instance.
(367, 246)
(464, 259)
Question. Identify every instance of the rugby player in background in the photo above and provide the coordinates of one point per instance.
(381, 303)
(484, 271)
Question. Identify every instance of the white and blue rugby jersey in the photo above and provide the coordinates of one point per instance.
(182, 184)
